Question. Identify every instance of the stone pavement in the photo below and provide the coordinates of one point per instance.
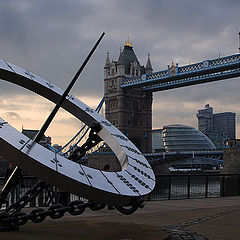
(197, 219)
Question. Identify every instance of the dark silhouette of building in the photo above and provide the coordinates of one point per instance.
(205, 119)
(45, 141)
(226, 123)
(3, 166)
(130, 110)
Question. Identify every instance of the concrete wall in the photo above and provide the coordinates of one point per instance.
(231, 160)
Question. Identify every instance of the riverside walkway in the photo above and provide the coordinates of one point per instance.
(197, 219)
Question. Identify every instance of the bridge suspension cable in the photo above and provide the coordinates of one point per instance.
(74, 138)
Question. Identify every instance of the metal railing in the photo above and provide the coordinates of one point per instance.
(197, 67)
(44, 199)
(187, 81)
(185, 186)
(169, 186)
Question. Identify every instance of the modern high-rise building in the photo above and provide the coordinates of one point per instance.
(205, 119)
(219, 127)
(226, 123)
(45, 141)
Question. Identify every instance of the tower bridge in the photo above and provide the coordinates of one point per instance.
(175, 76)
(128, 88)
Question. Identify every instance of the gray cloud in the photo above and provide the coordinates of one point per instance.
(12, 115)
(52, 38)
(75, 123)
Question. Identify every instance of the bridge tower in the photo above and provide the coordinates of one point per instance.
(130, 110)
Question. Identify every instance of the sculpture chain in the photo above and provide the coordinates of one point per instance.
(27, 197)
(13, 216)
(55, 211)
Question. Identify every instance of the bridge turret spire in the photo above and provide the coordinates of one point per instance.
(120, 59)
(120, 64)
(107, 63)
(149, 68)
(107, 66)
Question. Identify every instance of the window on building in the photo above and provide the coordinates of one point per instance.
(137, 72)
(133, 71)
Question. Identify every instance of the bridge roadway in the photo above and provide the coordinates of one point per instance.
(214, 155)
(192, 219)
(175, 77)
(185, 161)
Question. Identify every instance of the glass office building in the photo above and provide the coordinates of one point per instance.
(185, 138)
(219, 127)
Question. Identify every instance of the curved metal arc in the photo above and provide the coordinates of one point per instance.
(136, 178)
(38, 137)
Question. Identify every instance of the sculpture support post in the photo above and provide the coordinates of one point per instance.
(7, 187)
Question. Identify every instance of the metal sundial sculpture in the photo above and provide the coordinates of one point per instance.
(121, 189)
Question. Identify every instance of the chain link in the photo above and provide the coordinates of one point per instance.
(13, 217)
(56, 211)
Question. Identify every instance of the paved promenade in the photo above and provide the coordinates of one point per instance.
(197, 219)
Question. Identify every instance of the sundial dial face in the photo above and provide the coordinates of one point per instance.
(135, 179)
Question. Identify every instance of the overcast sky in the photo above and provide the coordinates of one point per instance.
(52, 37)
